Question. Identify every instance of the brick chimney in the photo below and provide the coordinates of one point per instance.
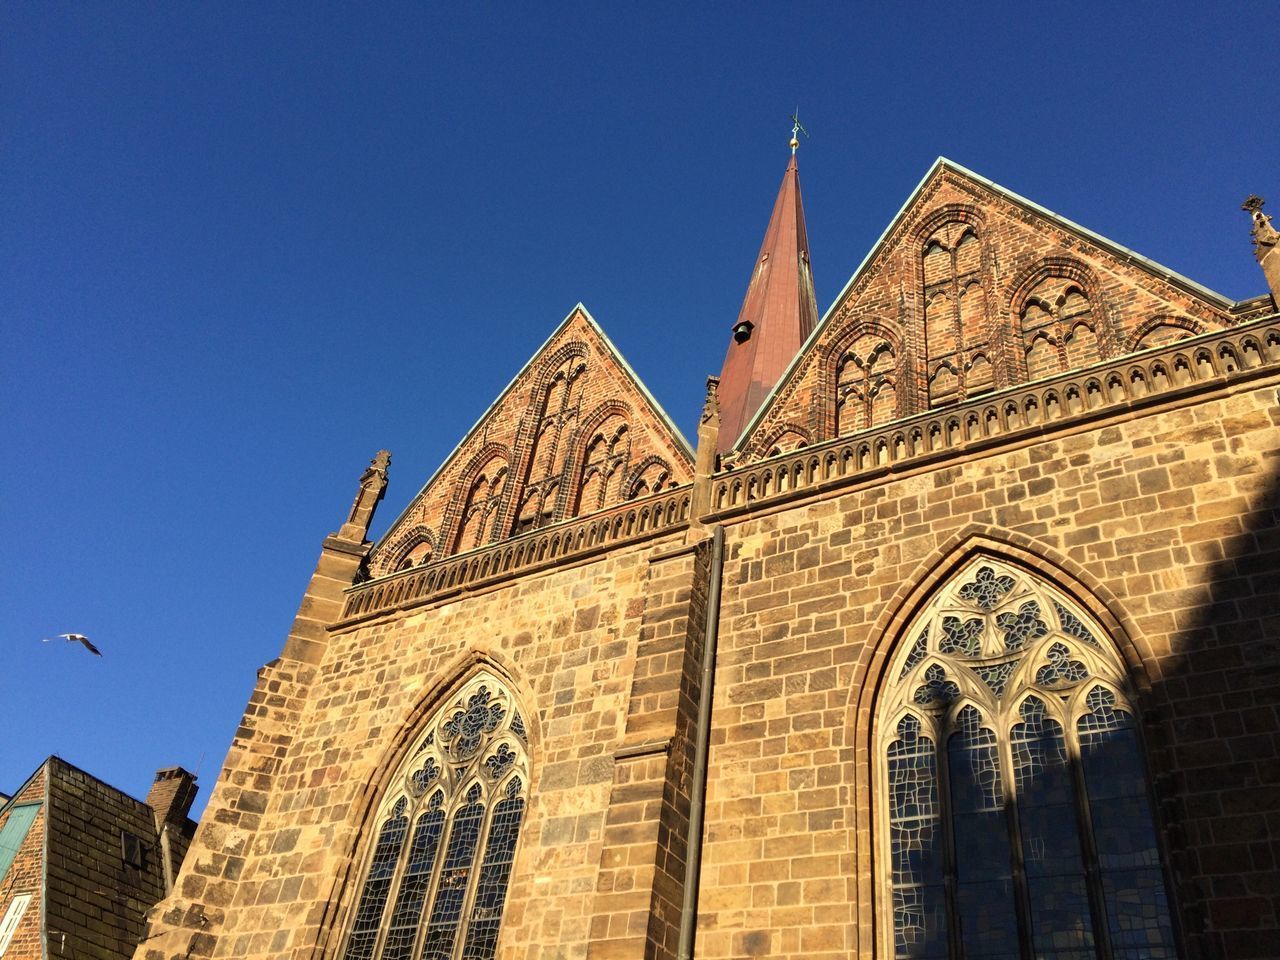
(171, 796)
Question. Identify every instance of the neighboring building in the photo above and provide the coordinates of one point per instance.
(81, 863)
(956, 637)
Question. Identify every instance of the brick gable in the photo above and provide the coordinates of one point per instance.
(972, 289)
(573, 433)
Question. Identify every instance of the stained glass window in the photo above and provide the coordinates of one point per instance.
(445, 838)
(1017, 823)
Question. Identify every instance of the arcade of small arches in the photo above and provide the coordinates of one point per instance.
(572, 464)
(1059, 324)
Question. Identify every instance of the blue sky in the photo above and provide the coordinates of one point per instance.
(245, 246)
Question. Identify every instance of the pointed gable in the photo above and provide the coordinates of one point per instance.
(575, 432)
(970, 289)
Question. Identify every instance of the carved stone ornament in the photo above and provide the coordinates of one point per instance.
(711, 406)
(1264, 234)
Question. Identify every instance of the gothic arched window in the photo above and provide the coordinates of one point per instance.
(1017, 821)
(445, 836)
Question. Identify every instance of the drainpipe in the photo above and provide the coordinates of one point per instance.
(701, 750)
(166, 859)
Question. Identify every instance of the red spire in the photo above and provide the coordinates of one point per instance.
(778, 314)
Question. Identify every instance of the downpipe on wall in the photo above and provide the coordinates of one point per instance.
(701, 750)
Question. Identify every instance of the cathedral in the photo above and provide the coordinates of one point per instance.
(953, 634)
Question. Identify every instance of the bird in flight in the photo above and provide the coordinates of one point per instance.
(77, 638)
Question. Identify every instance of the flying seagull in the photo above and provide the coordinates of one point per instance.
(77, 638)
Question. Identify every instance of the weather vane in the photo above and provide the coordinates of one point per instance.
(796, 129)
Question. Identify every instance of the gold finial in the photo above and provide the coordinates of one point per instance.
(796, 129)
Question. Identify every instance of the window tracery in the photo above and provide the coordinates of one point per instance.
(955, 314)
(866, 384)
(475, 526)
(1017, 821)
(1059, 328)
(436, 879)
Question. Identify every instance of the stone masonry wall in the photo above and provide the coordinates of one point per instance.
(1167, 524)
(275, 865)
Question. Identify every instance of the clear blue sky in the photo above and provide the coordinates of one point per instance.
(246, 245)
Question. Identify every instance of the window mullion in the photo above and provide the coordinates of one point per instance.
(1092, 870)
(477, 860)
(393, 888)
(1021, 896)
(941, 733)
(450, 810)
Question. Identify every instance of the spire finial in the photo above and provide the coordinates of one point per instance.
(796, 129)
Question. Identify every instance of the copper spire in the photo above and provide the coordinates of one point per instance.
(778, 313)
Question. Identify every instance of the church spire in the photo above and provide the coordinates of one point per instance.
(778, 313)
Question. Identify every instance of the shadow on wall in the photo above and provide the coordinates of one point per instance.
(1216, 736)
(1015, 834)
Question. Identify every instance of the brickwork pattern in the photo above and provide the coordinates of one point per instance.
(96, 901)
(549, 449)
(1017, 261)
(26, 873)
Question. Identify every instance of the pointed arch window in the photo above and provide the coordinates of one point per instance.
(1017, 821)
(866, 390)
(955, 313)
(435, 882)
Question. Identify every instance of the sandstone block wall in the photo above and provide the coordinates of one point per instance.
(596, 658)
(1167, 523)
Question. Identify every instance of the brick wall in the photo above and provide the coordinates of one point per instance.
(536, 438)
(1021, 256)
(26, 873)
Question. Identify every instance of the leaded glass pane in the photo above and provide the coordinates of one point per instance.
(1021, 627)
(491, 889)
(455, 872)
(1071, 624)
(915, 844)
(1124, 831)
(996, 676)
(937, 689)
(1051, 853)
(1012, 651)
(985, 904)
(373, 899)
(962, 636)
(423, 895)
(918, 650)
(465, 730)
(407, 915)
(987, 589)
